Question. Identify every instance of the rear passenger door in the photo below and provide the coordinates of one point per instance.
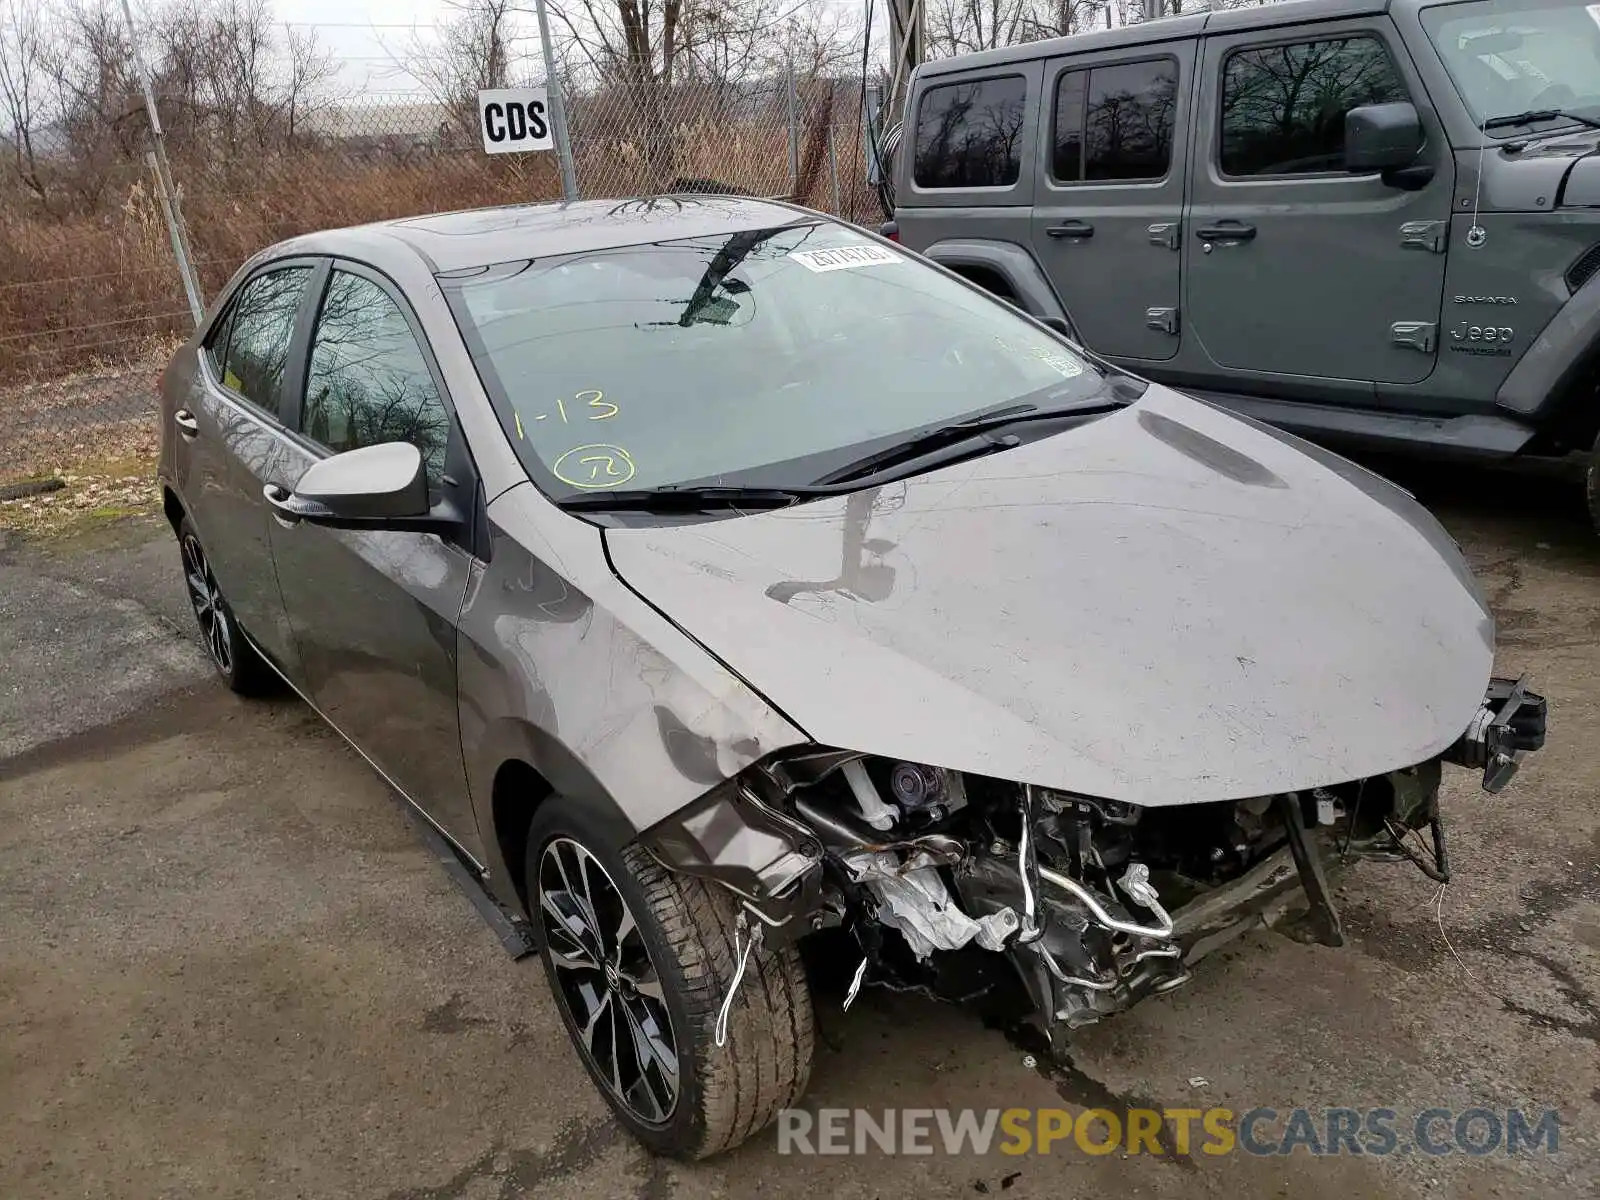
(231, 444)
(374, 613)
(1108, 201)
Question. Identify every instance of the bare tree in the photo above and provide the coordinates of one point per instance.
(472, 51)
(100, 110)
(224, 68)
(963, 26)
(25, 104)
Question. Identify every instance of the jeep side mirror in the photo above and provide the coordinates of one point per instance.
(1381, 137)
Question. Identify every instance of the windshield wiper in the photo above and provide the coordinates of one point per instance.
(680, 497)
(962, 438)
(1533, 116)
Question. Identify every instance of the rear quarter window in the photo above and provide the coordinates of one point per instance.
(969, 134)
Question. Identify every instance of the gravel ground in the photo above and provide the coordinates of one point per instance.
(228, 967)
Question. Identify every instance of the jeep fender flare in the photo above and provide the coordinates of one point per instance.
(1564, 347)
(1015, 266)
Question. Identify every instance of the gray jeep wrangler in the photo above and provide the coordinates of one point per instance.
(1363, 220)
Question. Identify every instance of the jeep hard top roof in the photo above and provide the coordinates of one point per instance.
(1166, 29)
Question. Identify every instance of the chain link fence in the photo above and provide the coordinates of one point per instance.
(91, 299)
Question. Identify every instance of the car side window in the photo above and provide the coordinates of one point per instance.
(1115, 122)
(216, 346)
(368, 382)
(1283, 107)
(970, 134)
(262, 328)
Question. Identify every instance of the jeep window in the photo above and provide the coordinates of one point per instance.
(1515, 56)
(1283, 107)
(1115, 122)
(970, 134)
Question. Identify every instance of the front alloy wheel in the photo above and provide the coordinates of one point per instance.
(607, 982)
(640, 960)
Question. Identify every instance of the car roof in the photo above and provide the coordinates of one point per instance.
(477, 237)
(1165, 29)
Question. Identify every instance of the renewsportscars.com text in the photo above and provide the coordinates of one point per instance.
(1211, 1131)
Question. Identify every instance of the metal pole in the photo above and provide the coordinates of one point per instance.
(558, 107)
(869, 124)
(794, 133)
(169, 194)
(833, 163)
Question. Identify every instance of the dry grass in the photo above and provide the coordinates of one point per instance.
(91, 302)
(97, 490)
(77, 289)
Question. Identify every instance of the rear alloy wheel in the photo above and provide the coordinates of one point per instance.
(231, 653)
(1592, 485)
(640, 960)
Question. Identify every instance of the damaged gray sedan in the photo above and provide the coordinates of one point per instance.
(715, 576)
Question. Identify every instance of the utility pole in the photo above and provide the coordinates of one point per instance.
(168, 193)
(558, 107)
(907, 49)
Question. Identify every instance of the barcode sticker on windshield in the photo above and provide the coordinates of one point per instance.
(1594, 13)
(844, 257)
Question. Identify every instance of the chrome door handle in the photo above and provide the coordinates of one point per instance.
(187, 425)
(282, 511)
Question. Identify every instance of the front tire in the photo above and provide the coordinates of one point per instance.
(639, 959)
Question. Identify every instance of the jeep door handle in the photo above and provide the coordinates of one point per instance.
(1070, 229)
(187, 425)
(1226, 231)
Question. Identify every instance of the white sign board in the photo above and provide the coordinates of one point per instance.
(515, 119)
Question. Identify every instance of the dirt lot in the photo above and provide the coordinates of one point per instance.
(228, 967)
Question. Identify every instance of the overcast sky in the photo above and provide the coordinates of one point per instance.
(365, 36)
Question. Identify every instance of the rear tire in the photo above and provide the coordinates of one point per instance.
(231, 653)
(669, 972)
(1592, 485)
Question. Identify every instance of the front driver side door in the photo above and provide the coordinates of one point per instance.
(374, 613)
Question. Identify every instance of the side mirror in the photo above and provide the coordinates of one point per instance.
(375, 487)
(1381, 137)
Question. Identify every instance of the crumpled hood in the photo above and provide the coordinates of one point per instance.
(1168, 605)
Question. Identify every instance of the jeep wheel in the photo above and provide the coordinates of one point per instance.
(640, 959)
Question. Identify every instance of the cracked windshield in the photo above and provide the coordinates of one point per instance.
(706, 360)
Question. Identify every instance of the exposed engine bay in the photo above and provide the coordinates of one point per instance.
(948, 881)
